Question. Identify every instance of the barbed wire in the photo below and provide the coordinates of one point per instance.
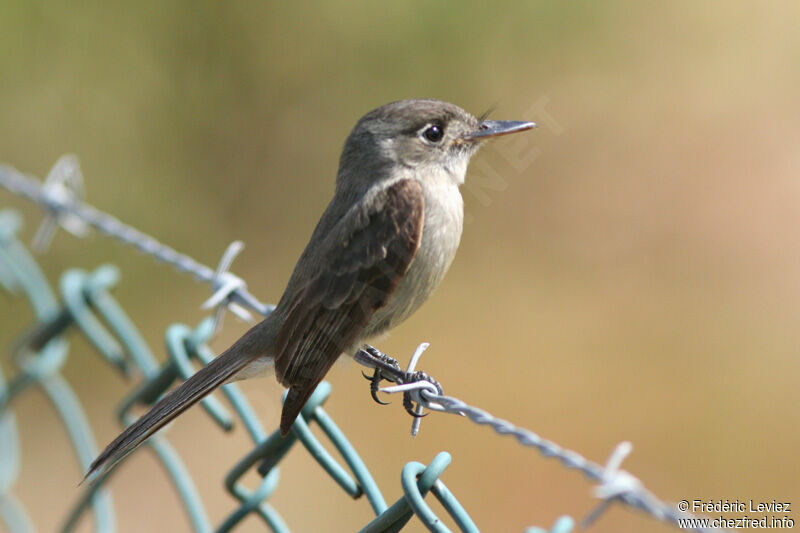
(61, 197)
(615, 484)
(63, 205)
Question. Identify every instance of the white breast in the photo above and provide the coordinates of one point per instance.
(441, 235)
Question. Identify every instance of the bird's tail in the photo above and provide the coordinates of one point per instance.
(295, 400)
(208, 378)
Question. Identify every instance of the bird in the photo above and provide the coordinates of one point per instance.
(381, 247)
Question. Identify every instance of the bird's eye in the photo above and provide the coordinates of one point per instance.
(433, 133)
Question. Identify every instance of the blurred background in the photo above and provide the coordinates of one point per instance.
(628, 271)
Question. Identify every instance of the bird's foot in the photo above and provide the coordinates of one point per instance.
(385, 368)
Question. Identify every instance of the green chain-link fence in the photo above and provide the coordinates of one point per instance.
(83, 301)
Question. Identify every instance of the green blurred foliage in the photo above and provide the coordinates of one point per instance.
(629, 270)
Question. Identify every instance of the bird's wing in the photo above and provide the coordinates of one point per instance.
(372, 248)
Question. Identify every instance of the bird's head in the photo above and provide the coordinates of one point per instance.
(429, 137)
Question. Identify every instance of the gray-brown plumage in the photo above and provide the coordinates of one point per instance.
(326, 316)
(381, 247)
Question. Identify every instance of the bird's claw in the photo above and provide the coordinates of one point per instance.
(375, 385)
(410, 407)
(378, 400)
(378, 374)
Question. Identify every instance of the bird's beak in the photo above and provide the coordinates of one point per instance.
(496, 128)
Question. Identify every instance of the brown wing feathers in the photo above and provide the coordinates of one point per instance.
(328, 313)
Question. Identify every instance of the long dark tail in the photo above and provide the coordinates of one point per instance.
(295, 401)
(208, 378)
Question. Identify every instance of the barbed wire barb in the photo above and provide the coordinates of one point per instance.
(224, 285)
(64, 184)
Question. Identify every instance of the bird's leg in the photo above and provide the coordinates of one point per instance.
(380, 356)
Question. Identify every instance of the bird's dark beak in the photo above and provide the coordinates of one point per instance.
(496, 128)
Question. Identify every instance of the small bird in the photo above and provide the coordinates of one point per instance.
(380, 249)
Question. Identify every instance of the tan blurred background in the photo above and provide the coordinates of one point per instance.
(630, 270)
